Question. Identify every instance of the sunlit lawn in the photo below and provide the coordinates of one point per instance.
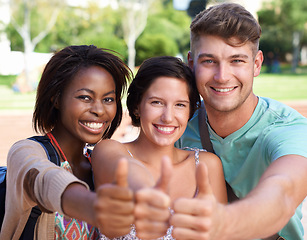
(282, 87)
(14, 101)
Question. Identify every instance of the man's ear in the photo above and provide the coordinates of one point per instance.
(258, 63)
(190, 60)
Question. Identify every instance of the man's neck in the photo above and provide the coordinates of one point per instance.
(226, 123)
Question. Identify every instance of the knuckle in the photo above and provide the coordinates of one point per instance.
(203, 225)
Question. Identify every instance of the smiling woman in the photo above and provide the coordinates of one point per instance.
(161, 99)
(88, 105)
(78, 102)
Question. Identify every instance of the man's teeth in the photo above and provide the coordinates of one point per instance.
(166, 129)
(223, 89)
(93, 125)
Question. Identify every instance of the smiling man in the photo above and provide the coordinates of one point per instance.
(262, 143)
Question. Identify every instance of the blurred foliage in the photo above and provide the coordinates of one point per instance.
(7, 80)
(166, 33)
(33, 17)
(279, 19)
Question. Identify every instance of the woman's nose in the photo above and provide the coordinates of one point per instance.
(167, 115)
(97, 108)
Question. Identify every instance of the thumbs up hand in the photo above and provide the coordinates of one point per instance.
(152, 210)
(194, 218)
(114, 204)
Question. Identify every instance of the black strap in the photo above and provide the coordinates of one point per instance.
(274, 237)
(28, 231)
(203, 129)
(52, 154)
(2, 193)
(206, 143)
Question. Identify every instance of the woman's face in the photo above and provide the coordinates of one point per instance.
(164, 111)
(88, 105)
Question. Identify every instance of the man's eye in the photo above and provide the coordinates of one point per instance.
(207, 61)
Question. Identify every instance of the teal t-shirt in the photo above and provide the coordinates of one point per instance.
(274, 130)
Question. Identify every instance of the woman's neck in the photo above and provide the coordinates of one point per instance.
(72, 148)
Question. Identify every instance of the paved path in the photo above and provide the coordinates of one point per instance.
(18, 125)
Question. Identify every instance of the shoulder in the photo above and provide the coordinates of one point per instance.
(108, 143)
(279, 111)
(210, 159)
(108, 147)
(273, 118)
(25, 147)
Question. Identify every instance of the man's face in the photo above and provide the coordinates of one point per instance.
(224, 74)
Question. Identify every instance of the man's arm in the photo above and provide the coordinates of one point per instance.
(263, 212)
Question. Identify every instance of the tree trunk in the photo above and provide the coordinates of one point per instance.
(296, 50)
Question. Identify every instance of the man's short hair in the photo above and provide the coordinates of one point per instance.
(229, 21)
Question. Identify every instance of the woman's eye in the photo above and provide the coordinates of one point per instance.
(156, 103)
(108, 100)
(180, 105)
(84, 97)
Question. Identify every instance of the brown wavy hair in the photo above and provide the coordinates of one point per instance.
(230, 21)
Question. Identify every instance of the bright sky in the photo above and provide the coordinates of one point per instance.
(83, 3)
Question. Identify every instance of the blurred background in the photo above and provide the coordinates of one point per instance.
(32, 30)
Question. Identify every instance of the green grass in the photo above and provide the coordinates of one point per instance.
(282, 87)
(11, 100)
(14, 101)
(7, 80)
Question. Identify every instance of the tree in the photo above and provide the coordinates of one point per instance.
(284, 24)
(166, 30)
(25, 14)
(87, 25)
(134, 19)
(166, 33)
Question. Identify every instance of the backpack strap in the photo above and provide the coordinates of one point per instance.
(206, 143)
(2, 193)
(53, 156)
(203, 128)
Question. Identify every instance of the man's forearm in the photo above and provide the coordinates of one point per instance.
(261, 213)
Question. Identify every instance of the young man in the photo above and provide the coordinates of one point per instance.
(262, 143)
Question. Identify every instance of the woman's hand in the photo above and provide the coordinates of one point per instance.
(114, 205)
(152, 210)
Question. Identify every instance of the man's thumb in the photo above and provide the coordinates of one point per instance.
(202, 180)
(121, 174)
(166, 174)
